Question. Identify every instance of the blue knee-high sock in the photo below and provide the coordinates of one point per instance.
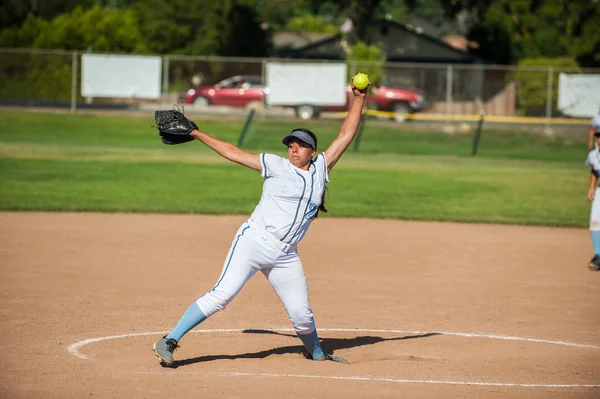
(312, 344)
(596, 241)
(190, 319)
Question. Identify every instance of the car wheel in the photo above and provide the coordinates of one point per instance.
(201, 101)
(305, 111)
(400, 110)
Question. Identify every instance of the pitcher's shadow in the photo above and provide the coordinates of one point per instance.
(330, 345)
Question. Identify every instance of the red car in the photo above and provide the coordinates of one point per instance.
(237, 91)
(244, 90)
(401, 101)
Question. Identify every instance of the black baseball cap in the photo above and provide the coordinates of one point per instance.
(302, 136)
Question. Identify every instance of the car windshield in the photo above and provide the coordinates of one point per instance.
(393, 85)
(230, 83)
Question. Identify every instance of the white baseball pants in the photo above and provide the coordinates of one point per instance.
(252, 250)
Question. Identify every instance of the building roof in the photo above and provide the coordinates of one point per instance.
(400, 42)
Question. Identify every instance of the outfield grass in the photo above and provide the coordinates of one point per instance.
(82, 162)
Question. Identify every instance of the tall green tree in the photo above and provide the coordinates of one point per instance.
(200, 27)
(243, 35)
(181, 26)
(97, 28)
(14, 12)
(510, 30)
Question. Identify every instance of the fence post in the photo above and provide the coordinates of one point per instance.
(449, 74)
(548, 129)
(478, 132)
(240, 142)
(74, 74)
(165, 78)
(363, 118)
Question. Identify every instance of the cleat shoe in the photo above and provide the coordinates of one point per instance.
(164, 348)
(336, 359)
(333, 358)
(594, 263)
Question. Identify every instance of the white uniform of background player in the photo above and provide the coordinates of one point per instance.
(292, 194)
(594, 127)
(593, 161)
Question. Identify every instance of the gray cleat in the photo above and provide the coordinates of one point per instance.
(594, 263)
(164, 348)
(336, 359)
(333, 358)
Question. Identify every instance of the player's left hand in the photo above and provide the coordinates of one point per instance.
(173, 126)
(590, 195)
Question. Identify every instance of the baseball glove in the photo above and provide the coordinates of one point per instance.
(173, 126)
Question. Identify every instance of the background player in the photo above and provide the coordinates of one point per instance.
(595, 127)
(593, 195)
(293, 193)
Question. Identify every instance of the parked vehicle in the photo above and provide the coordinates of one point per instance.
(244, 90)
(401, 101)
(236, 91)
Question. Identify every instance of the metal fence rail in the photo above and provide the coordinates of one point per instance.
(32, 77)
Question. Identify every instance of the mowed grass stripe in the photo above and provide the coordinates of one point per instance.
(117, 163)
(94, 130)
(224, 188)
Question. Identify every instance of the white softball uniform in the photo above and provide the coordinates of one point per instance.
(267, 242)
(593, 160)
(595, 122)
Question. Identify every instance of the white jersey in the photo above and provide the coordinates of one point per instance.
(593, 160)
(290, 198)
(595, 122)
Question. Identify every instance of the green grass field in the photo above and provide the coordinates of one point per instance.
(91, 162)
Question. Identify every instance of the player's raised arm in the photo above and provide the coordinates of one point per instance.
(229, 151)
(349, 127)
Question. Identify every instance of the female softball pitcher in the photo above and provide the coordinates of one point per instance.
(593, 195)
(293, 193)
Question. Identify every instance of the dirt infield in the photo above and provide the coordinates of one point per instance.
(419, 309)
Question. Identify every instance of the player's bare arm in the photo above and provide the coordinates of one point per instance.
(229, 151)
(348, 130)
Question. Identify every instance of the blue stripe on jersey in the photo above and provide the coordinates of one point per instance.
(264, 165)
(230, 256)
(324, 167)
(298, 207)
(312, 186)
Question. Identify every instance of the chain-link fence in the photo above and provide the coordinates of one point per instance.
(53, 78)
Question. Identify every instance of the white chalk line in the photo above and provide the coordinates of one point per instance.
(373, 379)
(74, 350)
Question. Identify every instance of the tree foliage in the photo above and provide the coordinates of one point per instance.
(510, 30)
(506, 30)
(97, 28)
(533, 84)
(367, 59)
(14, 12)
(199, 27)
(243, 35)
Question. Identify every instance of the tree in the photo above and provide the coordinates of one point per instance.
(205, 28)
(97, 28)
(533, 85)
(14, 12)
(244, 36)
(510, 30)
